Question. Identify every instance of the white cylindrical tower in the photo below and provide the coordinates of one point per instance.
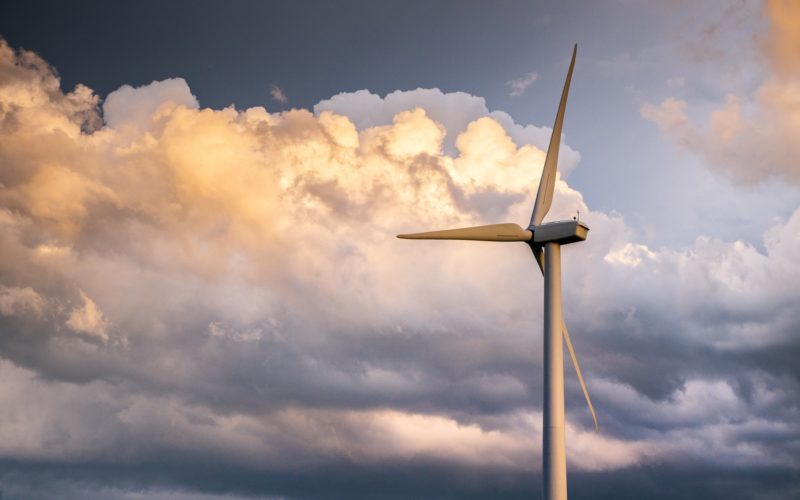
(554, 455)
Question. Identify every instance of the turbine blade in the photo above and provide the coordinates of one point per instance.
(492, 232)
(539, 256)
(578, 371)
(544, 196)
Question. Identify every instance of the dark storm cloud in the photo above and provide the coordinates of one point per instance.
(380, 482)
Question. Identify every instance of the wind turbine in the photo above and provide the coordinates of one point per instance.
(545, 240)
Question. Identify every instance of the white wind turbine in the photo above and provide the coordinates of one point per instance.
(545, 240)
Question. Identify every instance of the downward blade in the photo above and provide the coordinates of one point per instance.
(547, 184)
(538, 254)
(578, 371)
(492, 232)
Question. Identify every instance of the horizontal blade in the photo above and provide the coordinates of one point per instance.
(492, 232)
(537, 253)
(547, 184)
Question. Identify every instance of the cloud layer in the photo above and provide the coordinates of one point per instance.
(750, 138)
(218, 295)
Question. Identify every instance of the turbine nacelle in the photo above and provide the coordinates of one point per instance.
(561, 232)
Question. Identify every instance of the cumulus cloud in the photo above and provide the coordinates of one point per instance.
(749, 138)
(454, 110)
(136, 105)
(221, 290)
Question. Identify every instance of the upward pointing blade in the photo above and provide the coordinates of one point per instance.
(544, 196)
(537, 253)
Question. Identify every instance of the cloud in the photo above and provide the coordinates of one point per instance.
(219, 294)
(520, 85)
(218, 329)
(749, 138)
(278, 94)
(88, 319)
(16, 300)
(28, 79)
(136, 106)
(454, 110)
(783, 39)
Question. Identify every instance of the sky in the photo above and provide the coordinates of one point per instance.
(202, 295)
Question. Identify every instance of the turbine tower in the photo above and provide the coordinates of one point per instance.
(545, 240)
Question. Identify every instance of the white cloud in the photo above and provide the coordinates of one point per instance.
(630, 254)
(278, 94)
(135, 105)
(454, 110)
(88, 319)
(520, 85)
